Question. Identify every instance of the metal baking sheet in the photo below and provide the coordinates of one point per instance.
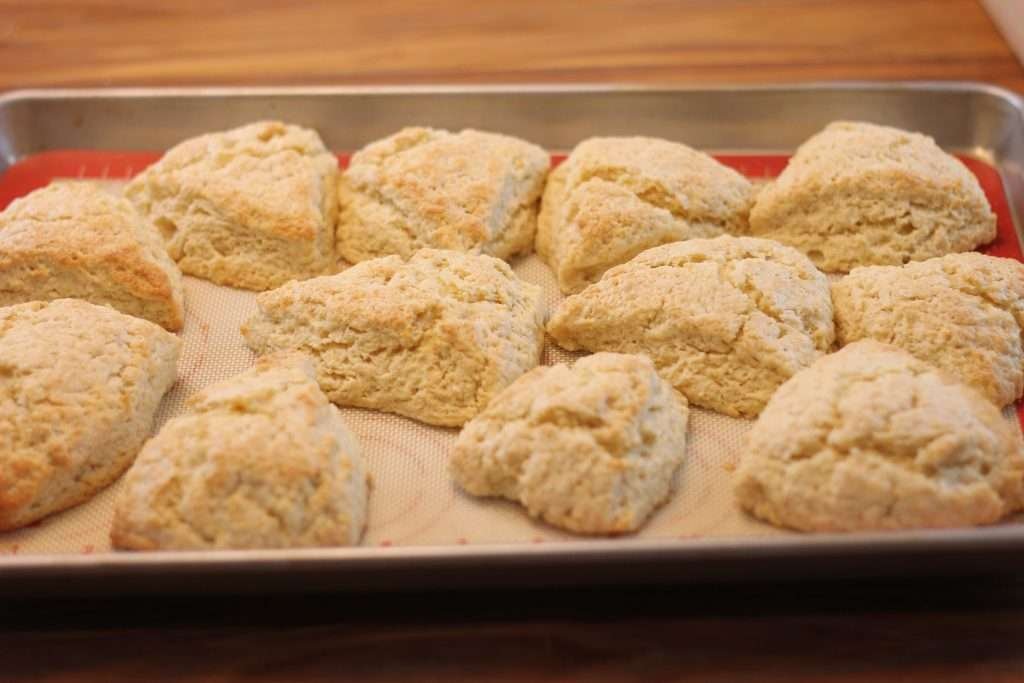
(975, 120)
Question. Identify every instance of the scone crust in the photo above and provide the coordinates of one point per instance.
(252, 207)
(590, 448)
(468, 191)
(615, 197)
(725, 320)
(72, 239)
(79, 387)
(860, 194)
(963, 313)
(871, 438)
(433, 337)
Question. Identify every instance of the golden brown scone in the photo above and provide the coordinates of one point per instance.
(725, 320)
(859, 194)
(615, 197)
(468, 191)
(433, 338)
(251, 207)
(75, 240)
(871, 438)
(261, 460)
(963, 313)
(591, 448)
(79, 387)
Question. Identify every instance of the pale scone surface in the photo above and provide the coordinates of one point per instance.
(870, 438)
(725, 320)
(79, 386)
(434, 337)
(76, 240)
(615, 197)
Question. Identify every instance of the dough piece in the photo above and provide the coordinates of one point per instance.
(251, 207)
(592, 448)
(725, 320)
(871, 438)
(262, 460)
(616, 197)
(79, 387)
(73, 239)
(963, 313)
(859, 194)
(468, 191)
(433, 338)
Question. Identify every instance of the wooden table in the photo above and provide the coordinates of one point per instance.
(955, 630)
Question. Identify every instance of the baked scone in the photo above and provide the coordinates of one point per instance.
(859, 194)
(433, 338)
(252, 207)
(76, 240)
(615, 197)
(79, 387)
(468, 191)
(725, 320)
(963, 313)
(590, 448)
(261, 460)
(871, 438)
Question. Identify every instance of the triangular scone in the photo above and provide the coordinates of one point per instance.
(857, 194)
(79, 387)
(262, 460)
(469, 191)
(615, 197)
(74, 239)
(433, 338)
(251, 207)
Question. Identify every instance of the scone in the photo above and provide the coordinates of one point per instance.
(261, 460)
(79, 387)
(251, 207)
(871, 438)
(859, 194)
(433, 338)
(73, 239)
(963, 313)
(468, 191)
(725, 320)
(590, 448)
(615, 197)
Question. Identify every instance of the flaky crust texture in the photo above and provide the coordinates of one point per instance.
(590, 448)
(615, 197)
(433, 338)
(469, 191)
(859, 194)
(74, 239)
(251, 207)
(963, 313)
(870, 438)
(79, 387)
(725, 320)
(262, 460)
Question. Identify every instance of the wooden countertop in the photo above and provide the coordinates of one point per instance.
(955, 630)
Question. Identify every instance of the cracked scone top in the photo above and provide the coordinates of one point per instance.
(76, 240)
(725, 320)
(963, 313)
(433, 338)
(261, 460)
(252, 207)
(590, 448)
(468, 191)
(615, 197)
(859, 194)
(79, 387)
(871, 438)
